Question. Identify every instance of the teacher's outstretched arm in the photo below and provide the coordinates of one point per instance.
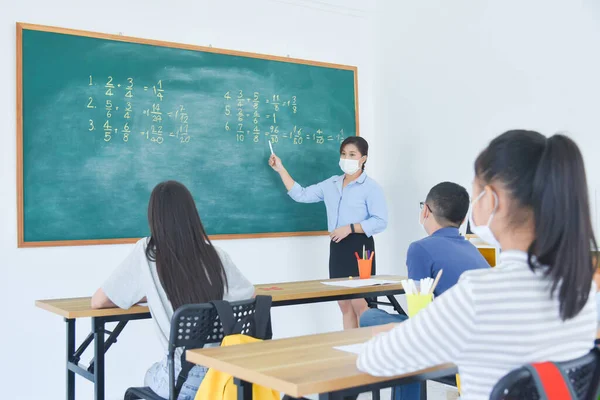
(310, 194)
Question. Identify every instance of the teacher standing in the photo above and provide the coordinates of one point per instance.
(356, 211)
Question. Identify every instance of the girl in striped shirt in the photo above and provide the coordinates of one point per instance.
(538, 303)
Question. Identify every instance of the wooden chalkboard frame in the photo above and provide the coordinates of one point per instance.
(20, 204)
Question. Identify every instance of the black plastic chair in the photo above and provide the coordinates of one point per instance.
(583, 374)
(195, 325)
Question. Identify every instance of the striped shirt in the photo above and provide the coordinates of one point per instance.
(491, 322)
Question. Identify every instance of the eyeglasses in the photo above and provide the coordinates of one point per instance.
(423, 204)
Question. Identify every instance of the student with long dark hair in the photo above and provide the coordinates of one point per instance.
(176, 265)
(356, 211)
(538, 304)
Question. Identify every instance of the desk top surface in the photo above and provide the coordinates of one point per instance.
(80, 307)
(297, 366)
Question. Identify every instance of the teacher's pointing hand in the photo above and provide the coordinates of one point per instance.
(275, 163)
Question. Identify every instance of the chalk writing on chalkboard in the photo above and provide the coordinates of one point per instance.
(273, 118)
(120, 101)
(278, 114)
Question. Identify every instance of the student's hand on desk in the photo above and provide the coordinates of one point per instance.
(101, 300)
(340, 233)
(376, 330)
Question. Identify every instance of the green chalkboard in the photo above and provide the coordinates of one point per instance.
(102, 119)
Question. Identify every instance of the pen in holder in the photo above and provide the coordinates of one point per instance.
(417, 302)
(365, 268)
(365, 264)
(419, 298)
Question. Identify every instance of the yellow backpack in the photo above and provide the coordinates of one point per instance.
(218, 385)
(236, 324)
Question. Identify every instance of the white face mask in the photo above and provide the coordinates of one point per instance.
(423, 223)
(483, 231)
(349, 166)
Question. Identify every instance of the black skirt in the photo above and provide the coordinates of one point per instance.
(342, 261)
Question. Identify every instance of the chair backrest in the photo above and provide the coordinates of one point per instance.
(583, 374)
(195, 325)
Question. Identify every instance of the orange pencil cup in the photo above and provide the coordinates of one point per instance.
(365, 268)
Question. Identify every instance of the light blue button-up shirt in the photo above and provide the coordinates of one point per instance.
(361, 201)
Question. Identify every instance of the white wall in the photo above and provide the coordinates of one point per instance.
(453, 75)
(33, 340)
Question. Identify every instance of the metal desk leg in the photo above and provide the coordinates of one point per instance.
(424, 390)
(70, 351)
(396, 305)
(376, 395)
(112, 339)
(333, 396)
(98, 329)
(244, 389)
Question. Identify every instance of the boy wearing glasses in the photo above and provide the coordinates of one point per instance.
(442, 213)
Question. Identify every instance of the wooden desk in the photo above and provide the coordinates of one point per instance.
(305, 365)
(490, 254)
(283, 294)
